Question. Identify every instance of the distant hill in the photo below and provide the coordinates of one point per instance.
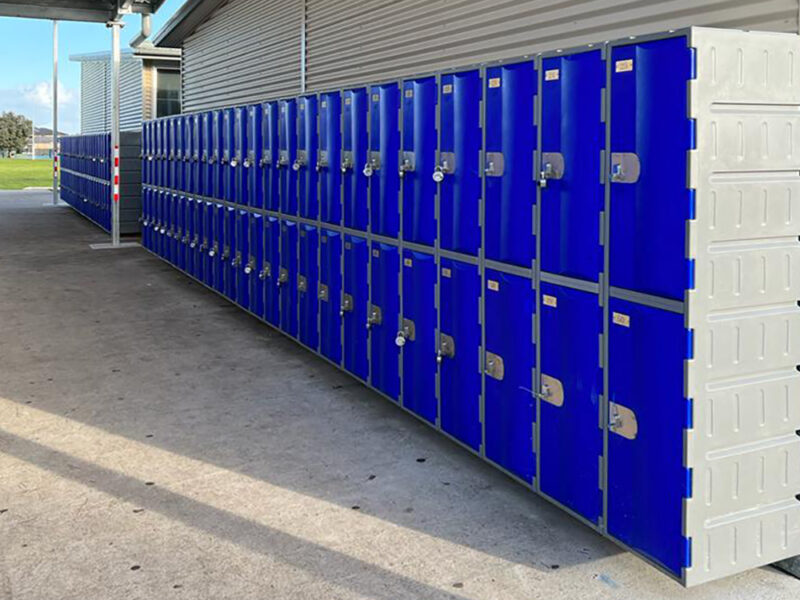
(46, 131)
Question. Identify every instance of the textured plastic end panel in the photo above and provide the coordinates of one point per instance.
(743, 449)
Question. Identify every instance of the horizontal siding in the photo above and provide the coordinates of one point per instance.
(247, 51)
(94, 99)
(130, 95)
(352, 41)
(96, 95)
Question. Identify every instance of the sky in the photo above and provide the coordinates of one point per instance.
(26, 56)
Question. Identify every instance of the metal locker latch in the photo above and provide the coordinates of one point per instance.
(266, 158)
(622, 421)
(250, 266)
(552, 167)
(373, 164)
(226, 253)
(283, 276)
(495, 164)
(237, 260)
(301, 160)
(552, 391)
(446, 166)
(323, 292)
(214, 250)
(302, 284)
(347, 161)
(265, 272)
(494, 366)
(407, 334)
(322, 162)
(375, 316)
(347, 304)
(625, 167)
(407, 163)
(283, 158)
(447, 348)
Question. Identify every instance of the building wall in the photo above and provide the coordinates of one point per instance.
(96, 95)
(251, 50)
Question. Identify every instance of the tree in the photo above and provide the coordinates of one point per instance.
(15, 131)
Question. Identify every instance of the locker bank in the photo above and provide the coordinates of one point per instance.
(581, 266)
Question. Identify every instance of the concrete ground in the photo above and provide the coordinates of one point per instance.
(156, 442)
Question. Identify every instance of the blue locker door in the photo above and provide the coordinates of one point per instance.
(209, 243)
(182, 138)
(381, 166)
(145, 151)
(509, 404)
(269, 155)
(170, 177)
(355, 301)
(306, 160)
(218, 166)
(650, 137)
(242, 259)
(573, 138)
(571, 378)
(147, 212)
(382, 319)
(307, 277)
(172, 231)
(255, 264)
(197, 150)
(180, 235)
(218, 247)
(271, 273)
(418, 160)
(355, 143)
(458, 167)
(158, 222)
(228, 154)
(287, 278)
(417, 334)
(287, 154)
(459, 351)
(199, 235)
(647, 481)
(330, 295)
(207, 154)
(239, 172)
(253, 164)
(330, 157)
(508, 166)
(191, 236)
(229, 252)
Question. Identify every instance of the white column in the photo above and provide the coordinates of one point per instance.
(115, 178)
(55, 113)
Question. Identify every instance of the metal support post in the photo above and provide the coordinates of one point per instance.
(55, 114)
(115, 181)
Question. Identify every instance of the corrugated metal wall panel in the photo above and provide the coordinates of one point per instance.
(130, 95)
(96, 95)
(351, 41)
(148, 108)
(247, 51)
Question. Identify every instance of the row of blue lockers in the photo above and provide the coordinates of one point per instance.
(458, 161)
(453, 343)
(89, 154)
(90, 197)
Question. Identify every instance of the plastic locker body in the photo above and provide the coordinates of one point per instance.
(147, 213)
(240, 148)
(172, 228)
(146, 129)
(382, 166)
(307, 278)
(418, 160)
(180, 233)
(382, 318)
(272, 266)
(229, 253)
(417, 334)
(287, 154)
(241, 259)
(650, 137)
(330, 157)
(510, 90)
(208, 243)
(252, 164)
(306, 160)
(572, 383)
(172, 149)
(255, 264)
(460, 143)
(509, 403)
(647, 482)
(570, 169)
(208, 154)
(459, 351)
(355, 301)
(229, 154)
(217, 162)
(287, 278)
(269, 155)
(197, 150)
(355, 143)
(217, 245)
(330, 294)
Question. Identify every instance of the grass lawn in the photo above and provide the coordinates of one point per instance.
(18, 173)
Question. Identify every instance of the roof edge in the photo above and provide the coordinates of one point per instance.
(185, 20)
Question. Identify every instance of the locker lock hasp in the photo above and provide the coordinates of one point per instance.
(406, 334)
